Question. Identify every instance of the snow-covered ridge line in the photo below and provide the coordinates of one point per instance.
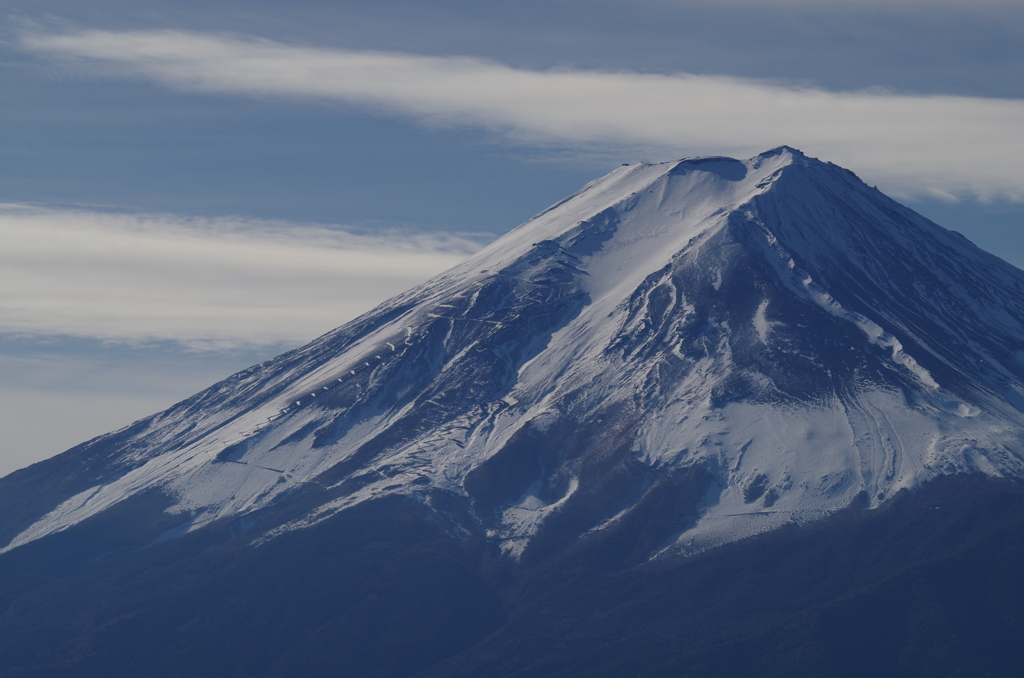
(875, 334)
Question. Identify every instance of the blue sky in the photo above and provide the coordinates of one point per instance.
(187, 188)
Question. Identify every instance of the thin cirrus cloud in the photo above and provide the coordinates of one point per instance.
(201, 283)
(950, 146)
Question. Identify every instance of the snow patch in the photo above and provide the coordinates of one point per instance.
(761, 322)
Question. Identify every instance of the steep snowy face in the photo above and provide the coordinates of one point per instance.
(699, 350)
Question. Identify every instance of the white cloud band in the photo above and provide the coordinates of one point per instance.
(947, 145)
(205, 283)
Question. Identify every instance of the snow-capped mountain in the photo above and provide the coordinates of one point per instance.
(725, 345)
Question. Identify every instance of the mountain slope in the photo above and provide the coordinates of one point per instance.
(744, 344)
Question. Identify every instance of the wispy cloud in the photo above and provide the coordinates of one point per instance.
(910, 144)
(203, 283)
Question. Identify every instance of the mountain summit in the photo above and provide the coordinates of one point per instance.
(743, 344)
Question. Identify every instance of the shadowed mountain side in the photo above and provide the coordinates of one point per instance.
(930, 584)
(379, 591)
